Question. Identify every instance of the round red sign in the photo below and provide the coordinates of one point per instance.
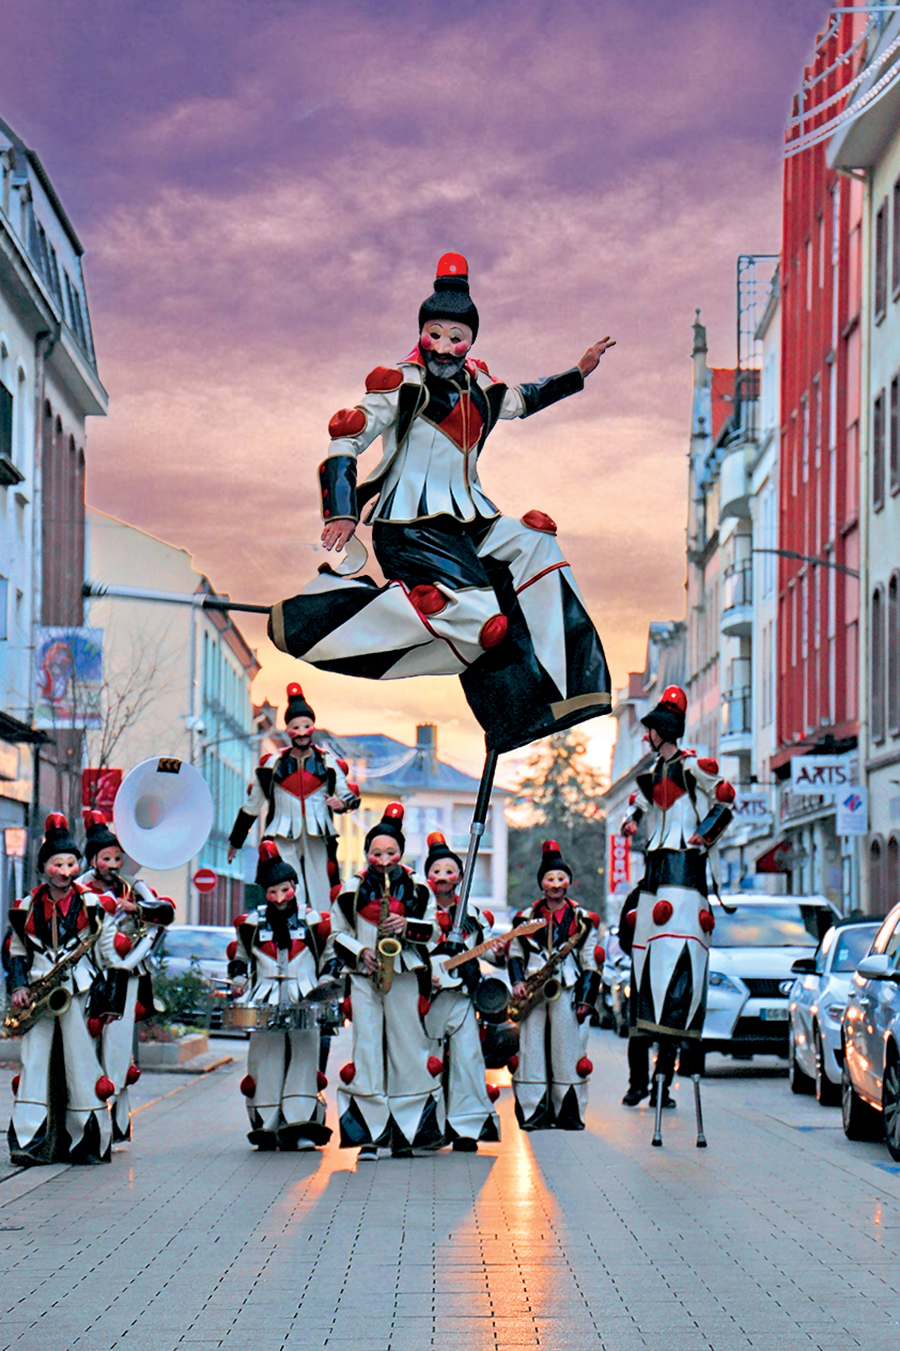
(205, 879)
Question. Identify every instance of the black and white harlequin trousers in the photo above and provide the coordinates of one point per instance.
(492, 601)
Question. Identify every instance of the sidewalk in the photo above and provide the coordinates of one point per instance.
(780, 1236)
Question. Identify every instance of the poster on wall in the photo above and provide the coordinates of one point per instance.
(68, 669)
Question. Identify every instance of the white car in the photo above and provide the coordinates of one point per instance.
(750, 969)
(870, 1082)
(817, 1002)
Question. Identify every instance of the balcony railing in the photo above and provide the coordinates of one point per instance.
(736, 710)
(738, 588)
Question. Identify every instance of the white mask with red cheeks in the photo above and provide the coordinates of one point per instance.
(443, 877)
(444, 345)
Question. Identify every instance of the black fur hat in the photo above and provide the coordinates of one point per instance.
(97, 835)
(57, 839)
(297, 707)
(668, 718)
(271, 868)
(391, 824)
(450, 298)
(439, 848)
(552, 860)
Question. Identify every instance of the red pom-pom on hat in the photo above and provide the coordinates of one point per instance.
(104, 1088)
(550, 847)
(492, 1091)
(452, 265)
(92, 818)
(294, 691)
(436, 837)
(55, 821)
(675, 695)
(268, 849)
(393, 812)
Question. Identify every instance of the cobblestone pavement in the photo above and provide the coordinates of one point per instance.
(781, 1236)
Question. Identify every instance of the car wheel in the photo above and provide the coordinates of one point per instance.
(890, 1097)
(827, 1093)
(799, 1081)
(860, 1121)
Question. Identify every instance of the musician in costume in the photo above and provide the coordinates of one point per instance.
(138, 918)
(300, 788)
(471, 592)
(390, 1092)
(59, 1113)
(275, 962)
(689, 803)
(551, 1072)
(451, 1020)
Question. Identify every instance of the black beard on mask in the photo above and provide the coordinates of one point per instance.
(442, 367)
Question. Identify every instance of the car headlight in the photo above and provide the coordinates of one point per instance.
(836, 1011)
(720, 981)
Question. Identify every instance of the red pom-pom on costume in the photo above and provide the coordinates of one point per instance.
(354, 788)
(725, 792)
(707, 921)
(435, 1066)
(630, 918)
(333, 871)
(248, 1086)
(662, 912)
(132, 1074)
(675, 695)
(348, 1072)
(323, 928)
(383, 379)
(427, 600)
(489, 918)
(584, 1067)
(122, 944)
(493, 1092)
(347, 422)
(424, 1005)
(104, 1088)
(708, 766)
(539, 520)
(347, 1010)
(139, 1012)
(632, 798)
(343, 766)
(512, 1064)
(334, 892)
(321, 1082)
(594, 918)
(108, 902)
(599, 954)
(452, 265)
(16, 1080)
(231, 950)
(493, 632)
(95, 1026)
(239, 920)
(445, 923)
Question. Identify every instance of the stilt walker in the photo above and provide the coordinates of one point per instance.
(451, 1020)
(691, 807)
(555, 980)
(384, 924)
(275, 962)
(138, 918)
(59, 1113)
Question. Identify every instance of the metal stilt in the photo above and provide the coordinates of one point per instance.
(479, 817)
(701, 1138)
(659, 1082)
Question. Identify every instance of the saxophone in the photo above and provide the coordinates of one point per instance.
(543, 984)
(387, 949)
(47, 993)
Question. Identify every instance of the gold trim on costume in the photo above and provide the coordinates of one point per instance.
(564, 706)
(277, 622)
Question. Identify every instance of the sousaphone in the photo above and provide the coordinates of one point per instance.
(163, 813)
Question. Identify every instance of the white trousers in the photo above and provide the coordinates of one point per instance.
(283, 1066)
(452, 1023)
(311, 867)
(551, 1042)
(391, 1080)
(117, 1055)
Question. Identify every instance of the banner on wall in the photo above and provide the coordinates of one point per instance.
(68, 673)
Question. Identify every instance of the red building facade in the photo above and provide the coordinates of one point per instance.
(818, 615)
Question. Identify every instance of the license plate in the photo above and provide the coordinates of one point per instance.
(774, 1015)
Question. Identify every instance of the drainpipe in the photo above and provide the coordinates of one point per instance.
(860, 891)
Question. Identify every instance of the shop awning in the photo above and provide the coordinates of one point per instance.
(17, 733)
(776, 859)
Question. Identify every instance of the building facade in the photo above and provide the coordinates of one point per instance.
(49, 386)
(185, 675)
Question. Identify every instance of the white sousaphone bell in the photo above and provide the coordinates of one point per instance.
(163, 813)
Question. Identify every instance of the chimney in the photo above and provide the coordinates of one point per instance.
(701, 370)
(426, 742)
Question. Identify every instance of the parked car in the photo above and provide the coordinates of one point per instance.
(750, 969)
(870, 1079)
(202, 945)
(817, 1001)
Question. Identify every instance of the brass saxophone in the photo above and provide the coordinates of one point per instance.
(47, 993)
(543, 984)
(387, 949)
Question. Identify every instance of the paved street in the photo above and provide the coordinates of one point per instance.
(781, 1235)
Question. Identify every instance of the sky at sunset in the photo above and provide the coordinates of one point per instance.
(263, 188)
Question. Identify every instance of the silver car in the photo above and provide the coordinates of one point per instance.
(816, 1002)
(870, 1082)
(750, 970)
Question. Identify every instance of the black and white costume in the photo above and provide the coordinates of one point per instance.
(471, 592)
(279, 952)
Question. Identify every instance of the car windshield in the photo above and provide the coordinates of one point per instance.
(852, 946)
(205, 945)
(772, 926)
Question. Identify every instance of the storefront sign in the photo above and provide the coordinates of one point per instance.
(820, 774)
(619, 861)
(753, 808)
(852, 811)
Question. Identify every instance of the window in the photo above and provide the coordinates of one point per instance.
(881, 245)
(893, 655)
(894, 434)
(6, 423)
(878, 664)
(892, 878)
(4, 609)
(877, 888)
(878, 453)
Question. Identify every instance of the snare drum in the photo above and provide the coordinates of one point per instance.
(268, 1018)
